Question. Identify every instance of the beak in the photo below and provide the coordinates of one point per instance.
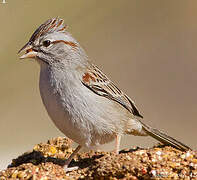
(29, 51)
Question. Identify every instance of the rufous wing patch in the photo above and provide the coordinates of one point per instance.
(98, 82)
(87, 78)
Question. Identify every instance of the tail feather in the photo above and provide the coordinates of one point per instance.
(165, 139)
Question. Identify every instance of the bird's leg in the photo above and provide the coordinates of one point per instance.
(118, 137)
(70, 159)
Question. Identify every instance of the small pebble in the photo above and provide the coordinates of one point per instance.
(160, 163)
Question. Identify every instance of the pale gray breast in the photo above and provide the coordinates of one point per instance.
(56, 104)
(79, 113)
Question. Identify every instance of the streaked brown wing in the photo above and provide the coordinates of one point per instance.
(98, 82)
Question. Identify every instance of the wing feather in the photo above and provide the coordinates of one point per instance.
(98, 82)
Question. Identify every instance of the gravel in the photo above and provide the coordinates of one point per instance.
(46, 162)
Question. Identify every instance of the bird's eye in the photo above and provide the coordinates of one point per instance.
(46, 43)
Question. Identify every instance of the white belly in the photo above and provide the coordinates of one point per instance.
(79, 113)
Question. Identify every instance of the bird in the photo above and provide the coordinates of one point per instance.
(84, 104)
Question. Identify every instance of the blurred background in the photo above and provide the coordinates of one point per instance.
(148, 48)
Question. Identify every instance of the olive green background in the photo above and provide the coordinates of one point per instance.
(147, 47)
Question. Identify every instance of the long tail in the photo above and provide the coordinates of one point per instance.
(165, 139)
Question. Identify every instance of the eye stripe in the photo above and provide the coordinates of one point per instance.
(65, 42)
